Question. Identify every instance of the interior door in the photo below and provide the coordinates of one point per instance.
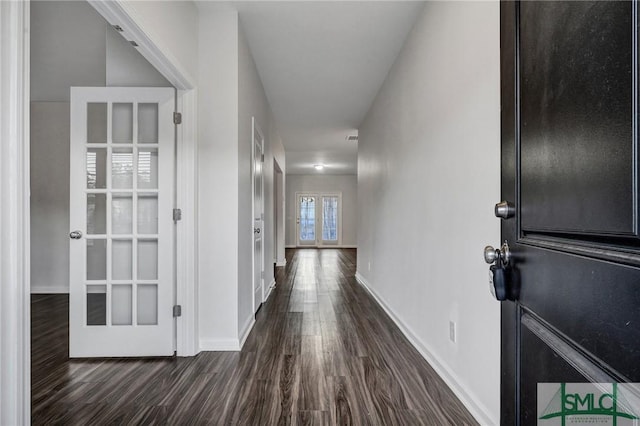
(570, 176)
(306, 220)
(121, 197)
(258, 218)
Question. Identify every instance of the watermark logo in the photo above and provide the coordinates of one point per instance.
(616, 404)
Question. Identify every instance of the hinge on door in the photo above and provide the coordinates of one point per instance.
(177, 311)
(262, 158)
(177, 215)
(177, 118)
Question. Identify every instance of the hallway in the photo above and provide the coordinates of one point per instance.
(321, 352)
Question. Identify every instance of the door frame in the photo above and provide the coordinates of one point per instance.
(279, 201)
(186, 235)
(255, 128)
(319, 195)
(15, 247)
(15, 301)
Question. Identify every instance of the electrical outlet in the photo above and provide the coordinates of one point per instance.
(452, 331)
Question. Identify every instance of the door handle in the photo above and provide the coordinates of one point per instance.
(75, 235)
(502, 254)
(499, 271)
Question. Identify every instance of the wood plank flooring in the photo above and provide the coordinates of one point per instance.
(322, 352)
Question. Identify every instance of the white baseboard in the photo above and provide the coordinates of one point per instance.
(282, 262)
(345, 246)
(218, 345)
(477, 409)
(248, 326)
(272, 284)
(49, 289)
(225, 345)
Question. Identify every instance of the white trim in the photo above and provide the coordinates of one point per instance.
(115, 12)
(255, 128)
(475, 407)
(248, 326)
(15, 335)
(282, 262)
(342, 246)
(49, 290)
(291, 246)
(214, 345)
(219, 345)
(187, 339)
(272, 285)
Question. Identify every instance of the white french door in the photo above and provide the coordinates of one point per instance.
(121, 199)
(319, 218)
(258, 216)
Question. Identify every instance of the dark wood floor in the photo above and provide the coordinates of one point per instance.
(321, 352)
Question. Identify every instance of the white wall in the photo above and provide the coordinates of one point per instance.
(252, 103)
(347, 184)
(125, 67)
(76, 47)
(173, 26)
(429, 175)
(67, 48)
(230, 94)
(50, 197)
(218, 179)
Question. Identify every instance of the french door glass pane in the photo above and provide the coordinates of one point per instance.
(96, 305)
(122, 123)
(148, 169)
(147, 259)
(122, 168)
(97, 122)
(148, 214)
(96, 259)
(147, 123)
(329, 218)
(121, 304)
(121, 259)
(122, 213)
(307, 218)
(147, 304)
(96, 168)
(96, 214)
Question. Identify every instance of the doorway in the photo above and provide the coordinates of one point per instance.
(278, 215)
(258, 215)
(102, 173)
(318, 219)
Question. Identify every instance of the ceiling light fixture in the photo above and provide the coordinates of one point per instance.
(319, 167)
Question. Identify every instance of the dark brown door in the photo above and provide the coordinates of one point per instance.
(570, 168)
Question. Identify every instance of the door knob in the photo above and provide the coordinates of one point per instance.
(491, 255)
(504, 210)
(75, 235)
(499, 271)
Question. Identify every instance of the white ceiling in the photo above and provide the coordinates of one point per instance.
(321, 64)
